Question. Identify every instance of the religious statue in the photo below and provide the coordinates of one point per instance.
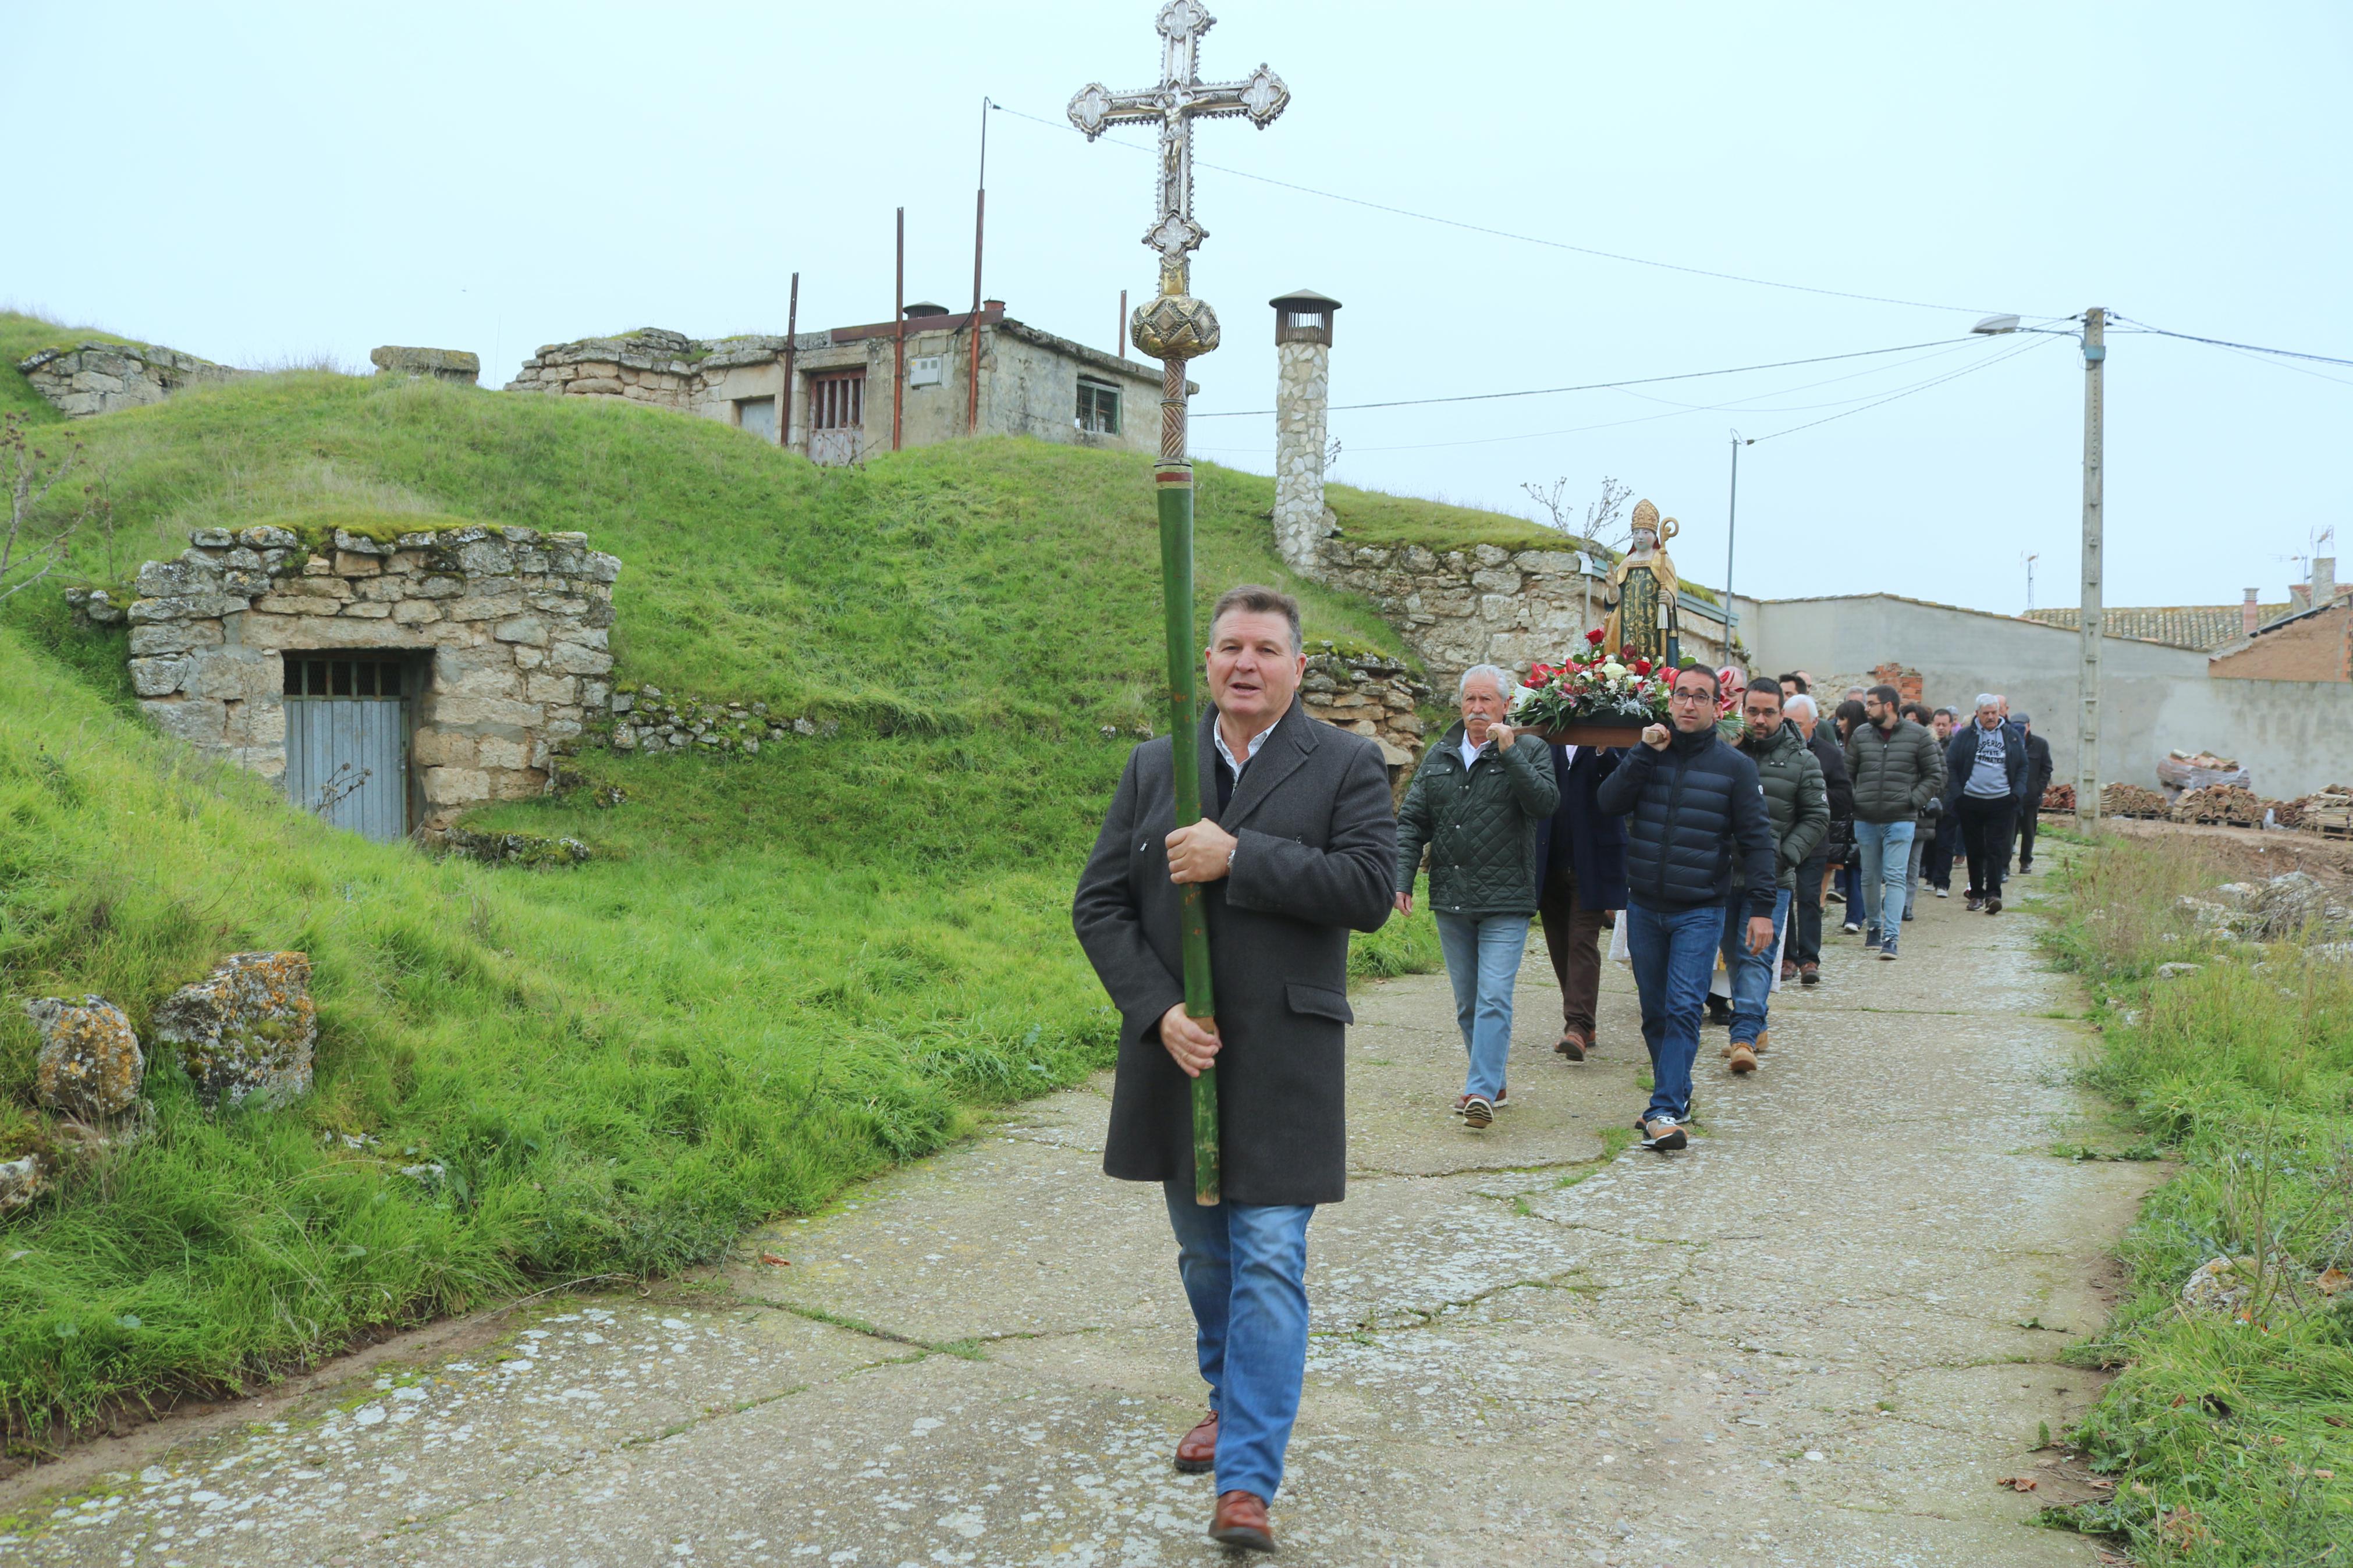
(1643, 593)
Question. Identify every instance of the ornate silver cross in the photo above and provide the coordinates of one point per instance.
(1180, 98)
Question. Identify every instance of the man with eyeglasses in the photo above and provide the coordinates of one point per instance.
(1691, 804)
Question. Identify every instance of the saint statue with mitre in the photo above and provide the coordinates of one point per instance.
(1643, 594)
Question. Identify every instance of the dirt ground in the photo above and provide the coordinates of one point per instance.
(2253, 852)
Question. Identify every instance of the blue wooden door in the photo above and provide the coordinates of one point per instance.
(347, 741)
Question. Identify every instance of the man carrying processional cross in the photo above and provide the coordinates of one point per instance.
(1240, 850)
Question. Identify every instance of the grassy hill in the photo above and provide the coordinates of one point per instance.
(782, 973)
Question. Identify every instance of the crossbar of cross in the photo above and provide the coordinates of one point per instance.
(1180, 98)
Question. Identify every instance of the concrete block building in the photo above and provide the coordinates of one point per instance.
(832, 391)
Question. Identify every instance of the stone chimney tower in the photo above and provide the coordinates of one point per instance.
(1302, 338)
(2251, 615)
(2323, 580)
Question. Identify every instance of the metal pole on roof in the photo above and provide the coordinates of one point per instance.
(785, 402)
(899, 338)
(980, 230)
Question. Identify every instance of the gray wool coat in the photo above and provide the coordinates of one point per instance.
(1317, 845)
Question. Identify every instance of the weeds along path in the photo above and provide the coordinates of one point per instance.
(1820, 1336)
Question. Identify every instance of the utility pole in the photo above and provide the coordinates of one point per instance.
(2087, 728)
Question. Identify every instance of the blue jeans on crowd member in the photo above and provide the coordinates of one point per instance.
(1887, 851)
(1482, 958)
(1850, 887)
(1751, 972)
(1673, 952)
(1245, 1273)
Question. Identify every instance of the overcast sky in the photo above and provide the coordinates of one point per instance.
(262, 183)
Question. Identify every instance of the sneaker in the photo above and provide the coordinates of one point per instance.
(1888, 953)
(1870, 941)
(1809, 973)
(1993, 906)
(1744, 1058)
(1977, 903)
(1463, 1101)
(1944, 892)
(1478, 1111)
(1850, 928)
(1907, 914)
(1663, 1135)
(1834, 897)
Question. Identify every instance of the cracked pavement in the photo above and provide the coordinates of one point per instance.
(1816, 1337)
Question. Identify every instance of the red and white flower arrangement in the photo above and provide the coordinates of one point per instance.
(1596, 687)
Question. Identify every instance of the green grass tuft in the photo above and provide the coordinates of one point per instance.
(2231, 1434)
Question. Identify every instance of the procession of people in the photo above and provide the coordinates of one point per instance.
(1700, 849)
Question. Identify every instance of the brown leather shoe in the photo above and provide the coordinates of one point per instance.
(1197, 1452)
(1240, 1520)
(1573, 1044)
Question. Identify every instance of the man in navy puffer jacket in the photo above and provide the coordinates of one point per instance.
(1691, 804)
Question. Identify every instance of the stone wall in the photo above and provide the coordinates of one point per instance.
(1487, 605)
(100, 377)
(511, 623)
(1302, 387)
(662, 369)
(1370, 694)
(440, 365)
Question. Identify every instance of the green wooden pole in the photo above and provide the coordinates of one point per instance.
(1174, 478)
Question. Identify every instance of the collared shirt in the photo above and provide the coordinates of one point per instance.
(1251, 750)
(1470, 750)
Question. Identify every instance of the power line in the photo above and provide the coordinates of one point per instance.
(2226, 343)
(1507, 233)
(1938, 381)
(1597, 385)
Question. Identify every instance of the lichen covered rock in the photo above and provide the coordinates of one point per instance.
(247, 1034)
(21, 1180)
(90, 1065)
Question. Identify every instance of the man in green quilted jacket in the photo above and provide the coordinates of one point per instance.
(1476, 803)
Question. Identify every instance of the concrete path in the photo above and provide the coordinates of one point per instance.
(1819, 1336)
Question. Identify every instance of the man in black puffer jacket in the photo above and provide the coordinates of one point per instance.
(1692, 803)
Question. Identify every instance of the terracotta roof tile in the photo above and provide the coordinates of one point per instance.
(2202, 626)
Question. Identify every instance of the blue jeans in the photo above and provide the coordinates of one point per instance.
(1674, 953)
(1483, 960)
(1751, 972)
(1887, 850)
(1245, 1273)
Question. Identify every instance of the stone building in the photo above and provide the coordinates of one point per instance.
(839, 384)
(386, 679)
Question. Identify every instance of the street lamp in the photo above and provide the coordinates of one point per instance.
(2088, 724)
(1731, 518)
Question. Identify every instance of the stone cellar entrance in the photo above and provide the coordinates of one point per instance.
(349, 720)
